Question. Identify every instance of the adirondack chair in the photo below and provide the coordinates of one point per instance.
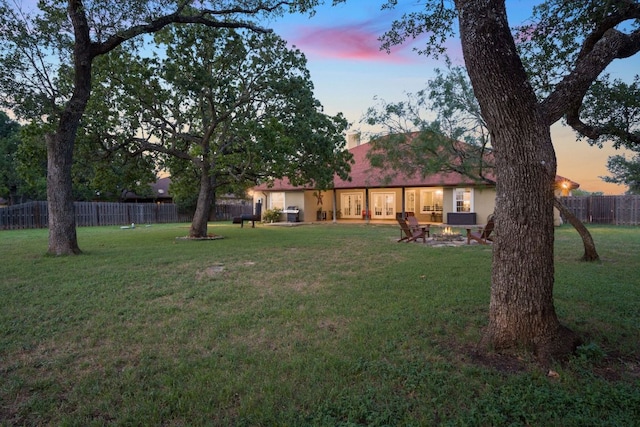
(409, 234)
(483, 234)
(414, 225)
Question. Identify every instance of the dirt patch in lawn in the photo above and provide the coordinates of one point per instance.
(208, 237)
(613, 367)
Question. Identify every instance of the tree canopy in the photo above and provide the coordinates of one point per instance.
(9, 141)
(229, 108)
(437, 129)
(39, 46)
(625, 171)
(565, 47)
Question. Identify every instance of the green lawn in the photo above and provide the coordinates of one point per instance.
(320, 325)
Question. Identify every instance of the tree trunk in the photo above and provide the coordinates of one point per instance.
(61, 215)
(62, 222)
(203, 206)
(521, 312)
(590, 253)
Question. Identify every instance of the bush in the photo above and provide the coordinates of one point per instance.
(271, 215)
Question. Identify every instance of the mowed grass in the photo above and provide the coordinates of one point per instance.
(319, 325)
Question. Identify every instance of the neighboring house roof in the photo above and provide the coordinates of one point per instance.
(160, 191)
(161, 187)
(363, 175)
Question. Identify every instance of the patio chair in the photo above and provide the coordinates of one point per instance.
(409, 234)
(483, 234)
(414, 225)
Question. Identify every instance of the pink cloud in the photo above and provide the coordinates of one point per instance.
(357, 42)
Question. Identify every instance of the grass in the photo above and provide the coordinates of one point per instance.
(318, 325)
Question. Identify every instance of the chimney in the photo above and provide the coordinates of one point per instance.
(353, 140)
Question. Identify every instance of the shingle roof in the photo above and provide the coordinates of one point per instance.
(363, 175)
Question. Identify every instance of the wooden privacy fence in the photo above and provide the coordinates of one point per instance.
(226, 212)
(618, 210)
(34, 214)
(88, 214)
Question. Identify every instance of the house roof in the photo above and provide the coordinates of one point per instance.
(363, 175)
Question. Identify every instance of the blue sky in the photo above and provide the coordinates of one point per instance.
(349, 72)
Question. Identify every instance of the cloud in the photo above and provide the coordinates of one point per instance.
(355, 42)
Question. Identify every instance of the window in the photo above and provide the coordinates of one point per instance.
(410, 201)
(277, 201)
(383, 205)
(463, 200)
(351, 205)
(431, 200)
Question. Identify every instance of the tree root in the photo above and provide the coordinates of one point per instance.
(548, 348)
(556, 347)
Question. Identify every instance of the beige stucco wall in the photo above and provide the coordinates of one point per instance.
(291, 198)
(312, 204)
(483, 201)
(306, 201)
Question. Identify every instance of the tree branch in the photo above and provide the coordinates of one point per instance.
(144, 145)
(569, 93)
(590, 253)
(595, 132)
(630, 11)
(204, 17)
(248, 11)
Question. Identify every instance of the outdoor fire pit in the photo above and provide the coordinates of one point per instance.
(447, 235)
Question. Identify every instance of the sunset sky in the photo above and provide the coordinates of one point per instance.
(349, 72)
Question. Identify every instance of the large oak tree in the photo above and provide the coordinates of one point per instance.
(229, 108)
(573, 42)
(74, 32)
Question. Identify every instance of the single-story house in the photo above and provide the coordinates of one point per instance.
(450, 197)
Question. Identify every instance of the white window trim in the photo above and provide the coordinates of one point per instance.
(433, 207)
(455, 199)
(410, 201)
(342, 204)
(384, 196)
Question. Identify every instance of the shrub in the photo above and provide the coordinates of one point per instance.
(271, 215)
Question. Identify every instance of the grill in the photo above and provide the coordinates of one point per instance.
(293, 214)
